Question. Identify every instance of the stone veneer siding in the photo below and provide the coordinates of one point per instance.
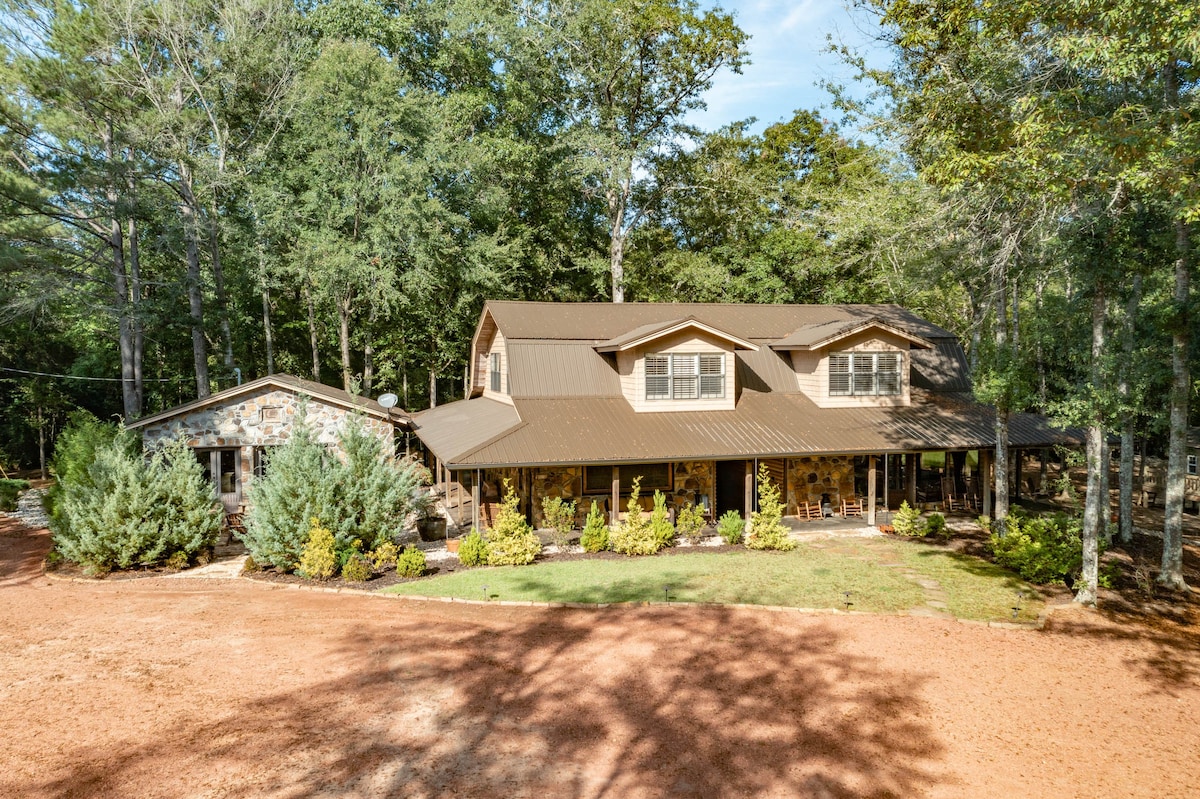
(263, 419)
(810, 477)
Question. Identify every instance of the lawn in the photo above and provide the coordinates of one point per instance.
(881, 576)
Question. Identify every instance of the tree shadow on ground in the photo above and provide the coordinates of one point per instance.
(560, 703)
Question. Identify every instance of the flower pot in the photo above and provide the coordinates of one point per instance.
(432, 529)
(452, 544)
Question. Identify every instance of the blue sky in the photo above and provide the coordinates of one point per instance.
(788, 54)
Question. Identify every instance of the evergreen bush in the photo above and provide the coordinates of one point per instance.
(511, 541)
(356, 569)
(75, 452)
(318, 558)
(635, 535)
(731, 527)
(908, 522)
(690, 523)
(123, 511)
(384, 556)
(935, 526)
(473, 549)
(367, 498)
(595, 531)
(411, 562)
(9, 489)
(1042, 549)
(766, 523)
(559, 517)
(660, 522)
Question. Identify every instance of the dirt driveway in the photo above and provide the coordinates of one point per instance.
(222, 688)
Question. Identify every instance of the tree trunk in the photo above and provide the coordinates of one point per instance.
(214, 247)
(617, 200)
(1095, 503)
(268, 333)
(1125, 480)
(41, 423)
(139, 332)
(432, 387)
(125, 321)
(187, 210)
(1171, 574)
(345, 304)
(312, 334)
(1002, 410)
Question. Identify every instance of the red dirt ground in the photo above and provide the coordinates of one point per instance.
(210, 688)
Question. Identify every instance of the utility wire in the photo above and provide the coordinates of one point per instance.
(79, 377)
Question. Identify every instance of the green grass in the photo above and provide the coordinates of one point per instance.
(807, 577)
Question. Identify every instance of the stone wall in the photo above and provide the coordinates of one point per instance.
(810, 477)
(693, 479)
(564, 482)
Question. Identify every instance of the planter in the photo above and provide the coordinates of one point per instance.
(433, 529)
(452, 545)
(887, 529)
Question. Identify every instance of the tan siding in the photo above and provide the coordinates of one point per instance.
(498, 345)
(686, 342)
(815, 383)
(811, 373)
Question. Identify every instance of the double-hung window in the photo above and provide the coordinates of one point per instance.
(864, 374)
(494, 370)
(1191, 464)
(685, 376)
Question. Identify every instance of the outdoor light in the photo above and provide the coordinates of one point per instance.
(847, 601)
(666, 593)
(485, 594)
(1017, 607)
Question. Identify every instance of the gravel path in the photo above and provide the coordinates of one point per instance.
(232, 688)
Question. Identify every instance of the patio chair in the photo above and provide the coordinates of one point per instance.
(852, 507)
(806, 511)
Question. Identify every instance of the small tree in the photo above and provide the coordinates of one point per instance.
(595, 531)
(318, 559)
(559, 517)
(690, 523)
(511, 541)
(635, 536)
(375, 494)
(660, 522)
(766, 523)
(908, 522)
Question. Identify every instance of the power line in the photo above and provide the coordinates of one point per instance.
(80, 377)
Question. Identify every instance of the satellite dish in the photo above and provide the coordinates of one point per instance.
(389, 401)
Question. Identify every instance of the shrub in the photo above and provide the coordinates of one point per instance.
(473, 550)
(411, 562)
(250, 566)
(124, 511)
(318, 559)
(690, 523)
(368, 498)
(595, 531)
(511, 541)
(634, 536)
(559, 517)
(660, 522)
(935, 526)
(9, 489)
(1042, 549)
(383, 556)
(76, 449)
(731, 527)
(356, 569)
(908, 522)
(178, 561)
(766, 523)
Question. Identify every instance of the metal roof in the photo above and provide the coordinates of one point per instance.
(450, 431)
(653, 332)
(560, 369)
(608, 430)
(598, 322)
(286, 382)
(810, 337)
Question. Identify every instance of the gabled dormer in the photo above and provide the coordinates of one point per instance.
(861, 363)
(489, 361)
(678, 365)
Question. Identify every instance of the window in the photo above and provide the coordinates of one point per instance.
(1191, 464)
(494, 370)
(864, 374)
(685, 376)
(655, 476)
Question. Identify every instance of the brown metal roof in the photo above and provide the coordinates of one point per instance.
(286, 382)
(560, 369)
(608, 430)
(597, 322)
(811, 337)
(452, 430)
(645, 334)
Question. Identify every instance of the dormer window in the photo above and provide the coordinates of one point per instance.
(864, 374)
(494, 371)
(685, 376)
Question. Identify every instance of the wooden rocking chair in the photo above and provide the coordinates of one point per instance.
(852, 507)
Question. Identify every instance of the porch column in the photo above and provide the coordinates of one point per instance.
(616, 496)
(985, 478)
(871, 490)
(910, 478)
(1018, 468)
(475, 500)
(459, 504)
(749, 488)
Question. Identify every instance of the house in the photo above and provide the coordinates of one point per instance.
(840, 402)
(232, 429)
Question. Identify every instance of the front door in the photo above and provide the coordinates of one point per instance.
(731, 487)
(222, 468)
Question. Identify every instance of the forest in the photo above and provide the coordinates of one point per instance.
(197, 192)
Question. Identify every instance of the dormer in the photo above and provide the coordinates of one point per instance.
(860, 363)
(679, 365)
(489, 361)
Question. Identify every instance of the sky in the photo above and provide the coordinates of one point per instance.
(788, 54)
